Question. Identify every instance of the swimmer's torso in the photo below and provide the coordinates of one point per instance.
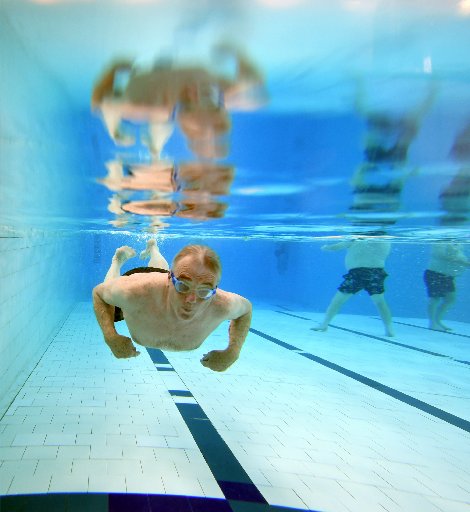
(152, 322)
(445, 259)
(366, 253)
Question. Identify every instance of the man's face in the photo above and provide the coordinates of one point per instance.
(193, 273)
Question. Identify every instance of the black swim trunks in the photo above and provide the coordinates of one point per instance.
(364, 278)
(118, 316)
(437, 284)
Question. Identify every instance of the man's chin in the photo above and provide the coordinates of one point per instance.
(187, 313)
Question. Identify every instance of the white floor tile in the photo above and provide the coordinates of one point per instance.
(102, 482)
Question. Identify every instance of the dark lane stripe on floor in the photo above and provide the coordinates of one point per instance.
(295, 316)
(231, 477)
(385, 340)
(394, 393)
(410, 347)
(240, 492)
(432, 330)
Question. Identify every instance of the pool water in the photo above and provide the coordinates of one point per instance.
(344, 420)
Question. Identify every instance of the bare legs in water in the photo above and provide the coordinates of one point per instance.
(125, 252)
(341, 298)
(437, 307)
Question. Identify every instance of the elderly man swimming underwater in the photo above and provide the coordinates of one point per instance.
(171, 309)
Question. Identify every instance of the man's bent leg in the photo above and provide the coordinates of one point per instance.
(120, 257)
(336, 304)
(384, 311)
(152, 252)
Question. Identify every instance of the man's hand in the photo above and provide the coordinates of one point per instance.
(219, 360)
(122, 347)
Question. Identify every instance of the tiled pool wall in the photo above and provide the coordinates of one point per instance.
(39, 284)
(41, 271)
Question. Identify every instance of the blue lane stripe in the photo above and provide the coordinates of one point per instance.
(236, 485)
(394, 393)
(292, 314)
(180, 392)
(434, 330)
(385, 340)
(410, 347)
(230, 475)
(274, 340)
(157, 356)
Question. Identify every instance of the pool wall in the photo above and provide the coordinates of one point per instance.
(41, 271)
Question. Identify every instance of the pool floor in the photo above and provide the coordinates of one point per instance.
(342, 421)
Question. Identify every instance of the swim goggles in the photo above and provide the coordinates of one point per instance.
(202, 292)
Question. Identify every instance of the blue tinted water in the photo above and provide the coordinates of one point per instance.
(293, 161)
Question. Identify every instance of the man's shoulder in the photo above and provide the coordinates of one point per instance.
(229, 304)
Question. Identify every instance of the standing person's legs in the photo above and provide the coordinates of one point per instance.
(447, 301)
(156, 258)
(433, 304)
(336, 304)
(121, 255)
(384, 311)
(441, 296)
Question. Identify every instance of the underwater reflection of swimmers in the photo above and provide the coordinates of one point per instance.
(365, 262)
(390, 133)
(203, 177)
(138, 100)
(378, 190)
(455, 196)
(378, 181)
(171, 309)
(154, 176)
(196, 207)
(166, 177)
(447, 261)
(197, 98)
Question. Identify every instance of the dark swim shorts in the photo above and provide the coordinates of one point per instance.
(437, 284)
(363, 278)
(118, 316)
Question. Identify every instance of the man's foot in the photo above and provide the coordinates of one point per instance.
(322, 328)
(151, 246)
(389, 333)
(124, 253)
(445, 327)
(439, 326)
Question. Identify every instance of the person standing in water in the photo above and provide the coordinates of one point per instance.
(365, 262)
(447, 261)
(173, 308)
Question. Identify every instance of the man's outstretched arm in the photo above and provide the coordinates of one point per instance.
(220, 360)
(121, 346)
